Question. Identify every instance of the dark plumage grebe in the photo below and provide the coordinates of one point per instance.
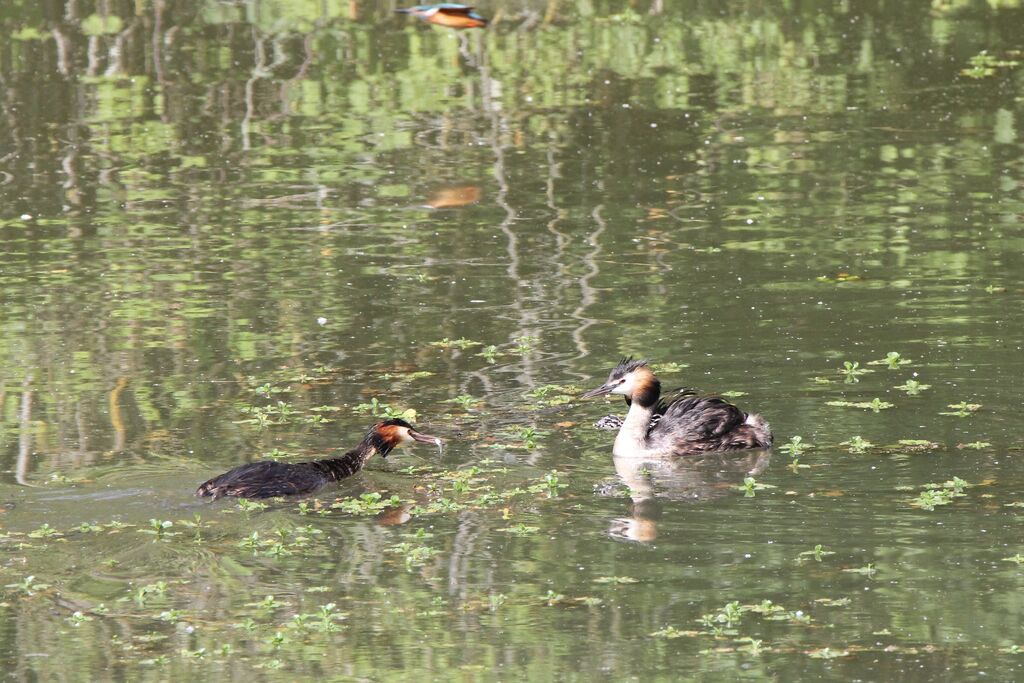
(269, 478)
(685, 425)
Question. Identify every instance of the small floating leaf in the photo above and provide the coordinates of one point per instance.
(912, 387)
(619, 580)
(670, 632)
(460, 343)
(893, 360)
(875, 404)
(962, 409)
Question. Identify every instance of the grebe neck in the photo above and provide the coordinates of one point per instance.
(346, 465)
(632, 437)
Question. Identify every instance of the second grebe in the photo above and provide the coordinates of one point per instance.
(685, 425)
(268, 478)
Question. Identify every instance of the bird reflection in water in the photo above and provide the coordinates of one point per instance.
(694, 479)
(449, 14)
(453, 196)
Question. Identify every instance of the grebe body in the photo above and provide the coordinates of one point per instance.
(685, 425)
(268, 478)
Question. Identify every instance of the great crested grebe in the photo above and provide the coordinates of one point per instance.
(448, 14)
(268, 478)
(685, 425)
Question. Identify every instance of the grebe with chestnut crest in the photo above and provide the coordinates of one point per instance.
(269, 478)
(685, 425)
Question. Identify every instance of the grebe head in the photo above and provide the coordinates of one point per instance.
(390, 434)
(633, 379)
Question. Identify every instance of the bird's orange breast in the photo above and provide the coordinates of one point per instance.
(456, 20)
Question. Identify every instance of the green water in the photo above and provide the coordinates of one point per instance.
(227, 227)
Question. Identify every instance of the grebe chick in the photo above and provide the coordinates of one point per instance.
(268, 478)
(685, 425)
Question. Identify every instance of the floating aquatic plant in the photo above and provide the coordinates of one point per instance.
(912, 445)
(867, 570)
(796, 446)
(893, 360)
(857, 444)
(460, 343)
(489, 353)
(553, 394)
(161, 529)
(28, 585)
(671, 632)
(853, 370)
(367, 504)
(378, 408)
(669, 368)
(984, 64)
(44, 531)
(246, 505)
(833, 602)
(524, 344)
(465, 401)
(520, 530)
(415, 555)
(407, 376)
(912, 387)
(750, 486)
(962, 409)
(617, 580)
(935, 495)
(815, 554)
(875, 404)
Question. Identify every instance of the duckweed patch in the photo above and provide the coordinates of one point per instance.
(460, 343)
(751, 486)
(961, 409)
(874, 405)
(938, 495)
(852, 370)
(892, 361)
(985, 64)
(367, 504)
(378, 408)
(817, 554)
(912, 387)
(857, 444)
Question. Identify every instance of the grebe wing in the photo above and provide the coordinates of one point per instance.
(264, 479)
(691, 420)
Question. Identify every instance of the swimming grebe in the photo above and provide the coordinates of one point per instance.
(268, 478)
(448, 14)
(685, 425)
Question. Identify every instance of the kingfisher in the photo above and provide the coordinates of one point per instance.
(450, 14)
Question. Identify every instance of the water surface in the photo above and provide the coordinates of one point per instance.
(228, 228)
